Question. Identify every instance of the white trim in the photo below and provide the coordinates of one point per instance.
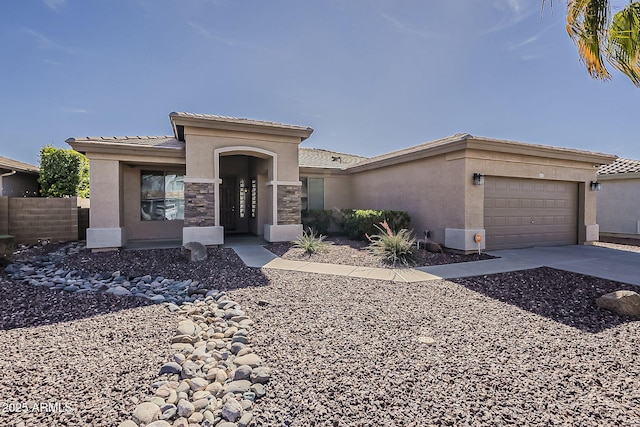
(291, 183)
(463, 239)
(201, 180)
(592, 233)
(102, 238)
(282, 233)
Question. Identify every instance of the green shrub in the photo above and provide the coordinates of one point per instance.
(317, 219)
(310, 242)
(394, 248)
(63, 173)
(357, 224)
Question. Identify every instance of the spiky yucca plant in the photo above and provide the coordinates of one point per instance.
(393, 247)
(310, 242)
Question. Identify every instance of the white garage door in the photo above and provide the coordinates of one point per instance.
(521, 213)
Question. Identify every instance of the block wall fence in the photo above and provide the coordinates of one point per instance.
(30, 219)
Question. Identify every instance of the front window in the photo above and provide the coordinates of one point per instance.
(161, 196)
(312, 193)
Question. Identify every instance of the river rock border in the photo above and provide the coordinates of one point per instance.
(214, 377)
(42, 271)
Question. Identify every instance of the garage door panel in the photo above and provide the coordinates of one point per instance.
(526, 212)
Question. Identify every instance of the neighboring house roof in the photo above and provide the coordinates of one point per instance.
(8, 165)
(225, 122)
(318, 158)
(620, 166)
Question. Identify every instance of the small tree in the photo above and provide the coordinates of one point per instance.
(63, 173)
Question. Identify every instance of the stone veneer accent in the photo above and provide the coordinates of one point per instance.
(289, 204)
(199, 204)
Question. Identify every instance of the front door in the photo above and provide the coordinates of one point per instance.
(228, 203)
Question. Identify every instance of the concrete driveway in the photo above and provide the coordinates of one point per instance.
(611, 264)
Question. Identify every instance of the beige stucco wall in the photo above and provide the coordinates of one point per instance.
(201, 144)
(439, 194)
(337, 186)
(431, 190)
(105, 186)
(618, 206)
(114, 179)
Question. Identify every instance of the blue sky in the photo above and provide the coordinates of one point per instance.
(370, 76)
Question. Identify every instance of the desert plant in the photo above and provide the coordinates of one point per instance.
(310, 242)
(393, 247)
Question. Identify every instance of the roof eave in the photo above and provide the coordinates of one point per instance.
(420, 153)
(321, 169)
(255, 127)
(503, 146)
(486, 144)
(85, 147)
(6, 170)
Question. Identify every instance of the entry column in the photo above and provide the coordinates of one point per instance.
(200, 221)
(106, 231)
(286, 212)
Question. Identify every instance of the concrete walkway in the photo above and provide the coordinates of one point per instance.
(606, 263)
(260, 257)
(610, 264)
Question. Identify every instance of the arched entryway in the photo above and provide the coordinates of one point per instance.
(244, 197)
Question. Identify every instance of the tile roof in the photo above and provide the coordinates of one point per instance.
(459, 137)
(228, 119)
(144, 141)
(318, 158)
(620, 166)
(415, 148)
(7, 164)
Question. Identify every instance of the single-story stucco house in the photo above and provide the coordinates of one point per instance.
(619, 199)
(18, 179)
(217, 175)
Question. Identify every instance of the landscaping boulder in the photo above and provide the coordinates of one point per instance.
(433, 247)
(195, 251)
(626, 303)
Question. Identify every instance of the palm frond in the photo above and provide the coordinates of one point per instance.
(587, 22)
(623, 50)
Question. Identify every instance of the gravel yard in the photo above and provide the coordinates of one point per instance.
(523, 348)
(340, 250)
(354, 352)
(86, 353)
